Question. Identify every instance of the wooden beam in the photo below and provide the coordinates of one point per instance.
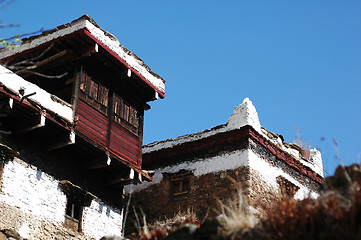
(70, 141)
(40, 124)
(60, 58)
(43, 62)
(121, 179)
(97, 163)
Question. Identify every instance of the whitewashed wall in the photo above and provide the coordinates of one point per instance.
(227, 161)
(199, 166)
(270, 173)
(100, 219)
(39, 194)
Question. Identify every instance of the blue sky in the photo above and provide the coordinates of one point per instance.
(298, 61)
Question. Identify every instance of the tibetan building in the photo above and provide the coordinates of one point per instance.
(196, 171)
(72, 104)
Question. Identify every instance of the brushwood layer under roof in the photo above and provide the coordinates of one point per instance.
(103, 38)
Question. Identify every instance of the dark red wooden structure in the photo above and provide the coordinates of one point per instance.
(107, 94)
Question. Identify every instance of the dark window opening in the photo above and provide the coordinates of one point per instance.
(1, 173)
(286, 188)
(73, 216)
(77, 199)
(125, 113)
(180, 185)
(94, 93)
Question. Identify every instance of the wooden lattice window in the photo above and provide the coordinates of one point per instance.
(73, 215)
(94, 93)
(180, 185)
(125, 113)
(77, 199)
(286, 188)
(1, 173)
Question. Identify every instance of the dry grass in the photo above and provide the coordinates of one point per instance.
(335, 214)
(162, 229)
(236, 215)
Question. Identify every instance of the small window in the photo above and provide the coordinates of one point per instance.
(1, 174)
(73, 216)
(123, 112)
(77, 199)
(179, 185)
(286, 188)
(94, 93)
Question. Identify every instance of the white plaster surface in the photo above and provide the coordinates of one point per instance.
(270, 173)
(199, 167)
(100, 220)
(244, 114)
(224, 162)
(98, 33)
(32, 191)
(37, 193)
(42, 98)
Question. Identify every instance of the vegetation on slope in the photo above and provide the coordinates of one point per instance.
(335, 214)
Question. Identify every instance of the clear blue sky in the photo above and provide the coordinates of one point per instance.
(298, 61)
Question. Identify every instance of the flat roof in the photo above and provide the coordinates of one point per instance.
(103, 38)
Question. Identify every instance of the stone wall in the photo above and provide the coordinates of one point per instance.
(253, 170)
(33, 203)
(202, 199)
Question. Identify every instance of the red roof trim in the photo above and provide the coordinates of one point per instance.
(291, 161)
(87, 32)
(28, 104)
(231, 136)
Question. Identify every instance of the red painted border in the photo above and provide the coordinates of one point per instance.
(86, 31)
(28, 104)
(286, 157)
(230, 137)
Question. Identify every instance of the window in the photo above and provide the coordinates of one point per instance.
(123, 112)
(94, 93)
(97, 95)
(73, 216)
(77, 199)
(286, 188)
(179, 185)
(1, 173)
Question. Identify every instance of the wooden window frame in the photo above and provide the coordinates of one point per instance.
(180, 185)
(76, 198)
(2, 164)
(94, 93)
(73, 220)
(125, 114)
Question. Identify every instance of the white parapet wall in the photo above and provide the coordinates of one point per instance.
(38, 194)
(243, 115)
(200, 166)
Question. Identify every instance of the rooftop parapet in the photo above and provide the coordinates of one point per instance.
(246, 115)
(107, 40)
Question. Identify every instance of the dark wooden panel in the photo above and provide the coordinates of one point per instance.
(125, 144)
(92, 124)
